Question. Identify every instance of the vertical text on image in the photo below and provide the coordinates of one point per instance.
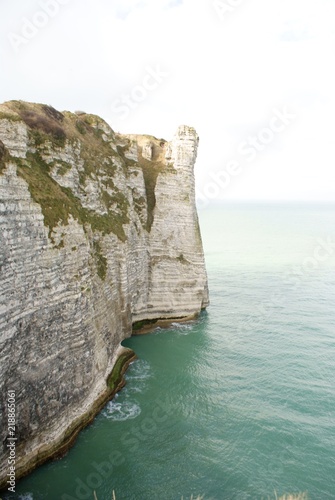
(11, 440)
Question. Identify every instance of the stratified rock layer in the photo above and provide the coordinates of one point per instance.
(98, 231)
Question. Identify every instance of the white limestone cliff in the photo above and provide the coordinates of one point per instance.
(99, 232)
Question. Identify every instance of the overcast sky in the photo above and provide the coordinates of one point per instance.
(255, 78)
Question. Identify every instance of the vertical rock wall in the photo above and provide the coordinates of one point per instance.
(98, 231)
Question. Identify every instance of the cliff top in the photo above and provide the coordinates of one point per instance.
(58, 126)
(75, 164)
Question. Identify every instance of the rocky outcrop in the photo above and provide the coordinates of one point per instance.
(99, 232)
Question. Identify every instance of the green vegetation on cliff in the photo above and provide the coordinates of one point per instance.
(57, 141)
(151, 169)
(150, 175)
(100, 259)
(58, 203)
(4, 156)
(48, 131)
(116, 376)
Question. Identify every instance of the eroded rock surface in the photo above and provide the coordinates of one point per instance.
(98, 231)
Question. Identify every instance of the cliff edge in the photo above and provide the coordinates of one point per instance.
(99, 232)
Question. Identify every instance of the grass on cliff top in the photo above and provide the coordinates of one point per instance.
(49, 129)
(54, 125)
(47, 126)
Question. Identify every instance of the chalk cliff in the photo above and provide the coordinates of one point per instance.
(99, 233)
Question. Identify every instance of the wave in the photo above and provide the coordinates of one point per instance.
(139, 370)
(122, 411)
(183, 328)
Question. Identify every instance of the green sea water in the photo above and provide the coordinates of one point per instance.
(239, 404)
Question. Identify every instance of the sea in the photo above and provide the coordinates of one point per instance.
(238, 404)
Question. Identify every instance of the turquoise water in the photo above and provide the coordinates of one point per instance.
(238, 404)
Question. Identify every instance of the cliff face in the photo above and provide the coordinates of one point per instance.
(99, 231)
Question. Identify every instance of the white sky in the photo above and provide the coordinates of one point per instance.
(223, 74)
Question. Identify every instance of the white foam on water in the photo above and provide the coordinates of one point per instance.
(133, 388)
(183, 328)
(139, 370)
(122, 411)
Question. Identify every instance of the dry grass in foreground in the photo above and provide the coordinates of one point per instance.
(182, 498)
(294, 496)
(298, 496)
